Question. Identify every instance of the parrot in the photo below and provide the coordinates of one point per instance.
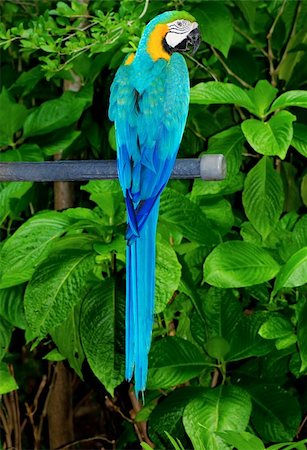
(149, 101)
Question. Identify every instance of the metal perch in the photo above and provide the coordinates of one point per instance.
(208, 167)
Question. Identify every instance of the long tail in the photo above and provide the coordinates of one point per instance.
(140, 285)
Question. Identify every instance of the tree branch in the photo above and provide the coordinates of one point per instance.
(271, 56)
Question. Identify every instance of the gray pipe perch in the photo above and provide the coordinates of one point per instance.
(208, 167)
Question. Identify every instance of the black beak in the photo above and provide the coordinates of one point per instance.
(194, 39)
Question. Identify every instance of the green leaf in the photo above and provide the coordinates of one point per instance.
(272, 137)
(176, 443)
(102, 341)
(59, 141)
(173, 361)
(54, 114)
(299, 140)
(246, 342)
(145, 446)
(216, 26)
(276, 327)
(262, 96)
(12, 117)
(239, 264)
(168, 273)
(5, 336)
(290, 98)
(217, 347)
(54, 355)
(28, 245)
(276, 414)
(11, 306)
(242, 440)
(10, 192)
(263, 197)
(109, 197)
(57, 284)
(300, 445)
(294, 272)
(302, 333)
(27, 81)
(177, 210)
(7, 381)
(26, 152)
(67, 339)
(216, 92)
(230, 144)
(168, 413)
(220, 409)
(304, 189)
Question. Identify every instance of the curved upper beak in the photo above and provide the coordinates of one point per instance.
(194, 38)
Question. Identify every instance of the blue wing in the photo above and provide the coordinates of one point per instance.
(149, 127)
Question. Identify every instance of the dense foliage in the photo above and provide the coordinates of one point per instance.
(229, 350)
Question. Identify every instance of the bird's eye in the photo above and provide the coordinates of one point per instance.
(180, 23)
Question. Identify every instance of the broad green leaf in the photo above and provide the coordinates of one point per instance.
(218, 315)
(217, 347)
(276, 327)
(220, 409)
(299, 140)
(216, 26)
(54, 114)
(246, 342)
(54, 355)
(59, 141)
(176, 210)
(290, 98)
(239, 264)
(7, 381)
(26, 152)
(276, 414)
(145, 446)
(230, 144)
(216, 92)
(168, 273)
(28, 245)
(5, 336)
(12, 117)
(67, 339)
(27, 81)
(294, 272)
(57, 285)
(263, 196)
(10, 192)
(108, 196)
(304, 189)
(300, 445)
(219, 211)
(173, 361)
(176, 443)
(302, 333)
(242, 440)
(262, 96)
(272, 137)
(168, 413)
(11, 306)
(101, 328)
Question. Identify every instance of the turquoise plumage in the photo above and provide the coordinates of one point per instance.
(149, 105)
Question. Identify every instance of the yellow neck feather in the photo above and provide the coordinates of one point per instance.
(155, 46)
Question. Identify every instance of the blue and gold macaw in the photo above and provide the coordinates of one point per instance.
(149, 105)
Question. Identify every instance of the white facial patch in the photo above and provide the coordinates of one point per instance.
(179, 30)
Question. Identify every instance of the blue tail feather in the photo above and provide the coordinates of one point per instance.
(140, 283)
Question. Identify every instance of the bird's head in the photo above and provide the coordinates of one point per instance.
(172, 31)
